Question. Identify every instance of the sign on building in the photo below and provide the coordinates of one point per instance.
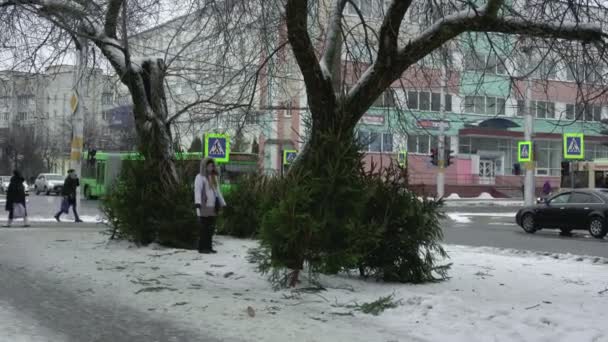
(574, 146)
(289, 156)
(432, 124)
(217, 146)
(524, 151)
(402, 158)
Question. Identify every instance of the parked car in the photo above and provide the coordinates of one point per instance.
(49, 183)
(569, 210)
(5, 181)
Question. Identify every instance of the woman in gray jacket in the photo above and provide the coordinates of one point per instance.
(208, 200)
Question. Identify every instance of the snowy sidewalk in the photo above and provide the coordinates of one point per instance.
(493, 295)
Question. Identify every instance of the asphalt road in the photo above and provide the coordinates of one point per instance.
(490, 230)
(45, 207)
(496, 229)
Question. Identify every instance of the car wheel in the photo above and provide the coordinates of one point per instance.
(565, 231)
(597, 227)
(36, 190)
(528, 224)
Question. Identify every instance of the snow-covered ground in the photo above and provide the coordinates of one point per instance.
(17, 327)
(492, 295)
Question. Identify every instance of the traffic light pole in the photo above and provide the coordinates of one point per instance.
(441, 144)
(78, 113)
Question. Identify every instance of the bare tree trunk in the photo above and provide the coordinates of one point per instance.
(146, 86)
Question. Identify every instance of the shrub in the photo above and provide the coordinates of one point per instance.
(247, 202)
(398, 237)
(135, 211)
(351, 220)
(314, 213)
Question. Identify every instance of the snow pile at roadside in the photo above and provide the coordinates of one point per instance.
(459, 217)
(17, 327)
(485, 195)
(492, 295)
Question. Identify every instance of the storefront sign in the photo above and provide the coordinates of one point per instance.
(373, 119)
(432, 124)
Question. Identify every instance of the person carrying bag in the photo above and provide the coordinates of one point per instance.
(15, 200)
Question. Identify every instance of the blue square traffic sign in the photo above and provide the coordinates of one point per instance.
(217, 146)
(574, 146)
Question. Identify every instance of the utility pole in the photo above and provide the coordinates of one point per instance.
(529, 183)
(78, 112)
(442, 124)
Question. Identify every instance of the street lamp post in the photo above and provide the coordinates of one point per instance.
(78, 113)
(529, 182)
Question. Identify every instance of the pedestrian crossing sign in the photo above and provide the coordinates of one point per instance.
(402, 158)
(289, 156)
(524, 151)
(574, 146)
(217, 146)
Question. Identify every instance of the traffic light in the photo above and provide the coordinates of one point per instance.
(516, 169)
(448, 157)
(434, 156)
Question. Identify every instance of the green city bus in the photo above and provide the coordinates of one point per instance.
(100, 172)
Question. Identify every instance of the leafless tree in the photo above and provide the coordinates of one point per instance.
(55, 27)
(22, 150)
(396, 48)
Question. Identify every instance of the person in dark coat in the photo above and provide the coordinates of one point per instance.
(15, 195)
(547, 189)
(70, 186)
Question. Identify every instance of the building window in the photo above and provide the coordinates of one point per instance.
(420, 144)
(376, 142)
(490, 64)
(24, 101)
(4, 116)
(488, 105)
(21, 116)
(386, 99)
(424, 100)
(584, 112)
(106, 99)
(368, 8)
(586, 73)
(427, 101)
(539, 109)
(387, 142)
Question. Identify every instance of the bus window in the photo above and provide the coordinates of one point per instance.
(88, 170)
(101, 173)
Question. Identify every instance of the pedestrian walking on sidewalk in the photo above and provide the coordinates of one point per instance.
(208, 201)
(547, 189)
(15, 200)
(70, 186)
